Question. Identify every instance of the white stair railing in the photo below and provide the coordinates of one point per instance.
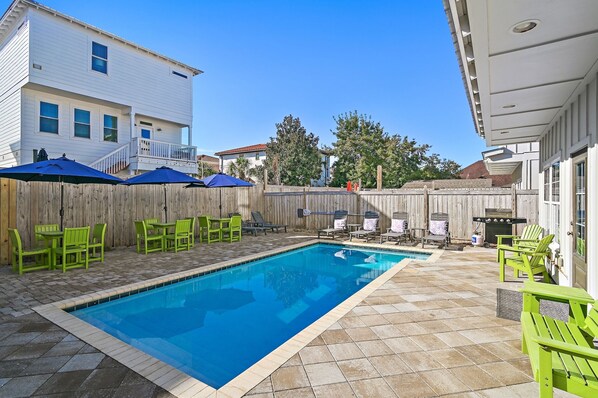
(113, 162)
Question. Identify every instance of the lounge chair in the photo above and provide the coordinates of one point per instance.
(260, 222)
(370, 227)
(529, 238)
(438, 230)
(339, 224)
(399, 228)
(529, 261)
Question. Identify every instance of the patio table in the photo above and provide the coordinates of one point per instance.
(221, 222)
(164, 227)
(422, 233)
(52, 238)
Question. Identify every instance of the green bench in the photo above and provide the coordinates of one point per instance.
(561, 354)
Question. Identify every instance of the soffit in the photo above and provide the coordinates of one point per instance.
(539, 72)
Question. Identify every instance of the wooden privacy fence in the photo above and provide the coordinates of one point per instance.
(24, 205)
(461, 205)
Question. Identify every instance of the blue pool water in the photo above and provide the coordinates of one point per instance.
(215, 326)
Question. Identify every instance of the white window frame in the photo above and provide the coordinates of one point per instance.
(104, 127)
(39, 116)
(91, 56)
(74, 109)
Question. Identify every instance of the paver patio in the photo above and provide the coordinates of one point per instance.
(429, 331)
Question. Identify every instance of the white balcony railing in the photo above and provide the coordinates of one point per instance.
(114, 161)
(144, 148)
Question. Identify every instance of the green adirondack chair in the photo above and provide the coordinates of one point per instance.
(39, 254)
(148, 225)
(97, 242)
(529, 261)
(40, 240)
(151, 243)
(180, 238)
(206, 231)
(562, 354)
(233, 232)
(530, 236)
(191, 231)
(75, 248)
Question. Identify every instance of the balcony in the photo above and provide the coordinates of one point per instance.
(150, 154)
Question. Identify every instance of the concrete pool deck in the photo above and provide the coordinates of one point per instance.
(430, 330)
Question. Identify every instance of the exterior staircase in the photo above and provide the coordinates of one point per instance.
(113, 162)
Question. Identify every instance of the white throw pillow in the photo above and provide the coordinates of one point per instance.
(370, 224)
(438, 227)
(340, 224)
(398, 226)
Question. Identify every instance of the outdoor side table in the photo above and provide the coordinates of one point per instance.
(422, 232)
(353, 227)
(164, 226)
(52, 238)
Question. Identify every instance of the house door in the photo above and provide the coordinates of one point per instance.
(144, 146)
(579, 232)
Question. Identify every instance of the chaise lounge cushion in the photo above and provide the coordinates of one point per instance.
(340, 224)
(398, 226)
(370, 224)
(438, 227)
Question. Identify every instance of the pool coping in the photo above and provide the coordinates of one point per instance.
(181, 384)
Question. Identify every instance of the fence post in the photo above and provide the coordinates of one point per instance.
(514, 206)
(379, 177)
(426, 207)
(305, 207)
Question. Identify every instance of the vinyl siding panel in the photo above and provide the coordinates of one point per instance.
(14, 58)
(83, 150)
(134, 78)
(10, 129)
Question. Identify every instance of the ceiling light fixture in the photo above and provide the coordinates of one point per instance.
(525, 26)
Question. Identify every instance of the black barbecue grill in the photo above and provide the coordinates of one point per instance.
(498, 222)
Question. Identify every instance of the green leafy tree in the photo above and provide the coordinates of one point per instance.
(204, 169)
(293, 157)
(362, 144)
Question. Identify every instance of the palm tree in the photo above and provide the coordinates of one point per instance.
(240, 168)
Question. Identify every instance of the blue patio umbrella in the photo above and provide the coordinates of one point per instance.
(221, 180)
(162, 176)
(59, 170)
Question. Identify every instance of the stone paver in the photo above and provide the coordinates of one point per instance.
(428, 331)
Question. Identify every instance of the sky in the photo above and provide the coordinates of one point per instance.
(262, 60)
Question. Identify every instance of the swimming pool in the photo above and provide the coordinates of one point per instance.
(215, 326)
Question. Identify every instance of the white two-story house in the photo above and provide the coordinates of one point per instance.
(69, 87)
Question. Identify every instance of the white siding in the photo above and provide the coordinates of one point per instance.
(226, 160)
(170, 132)
(10, 129)
(134, 78)
(83, 150)
(14, 58)
(575, 128)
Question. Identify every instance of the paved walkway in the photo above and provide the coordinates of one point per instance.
(429, 331)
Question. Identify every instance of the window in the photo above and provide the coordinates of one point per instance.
(110, 128)
(99, 57)
(552, 186)
(257, 156)
(48, 118)
(82, 123)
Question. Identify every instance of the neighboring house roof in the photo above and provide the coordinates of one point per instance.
(478, 170)
(11, 15)
(243, 149)
(207, 159)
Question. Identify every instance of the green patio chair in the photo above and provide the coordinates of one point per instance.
(148, 225)
(97, 242)
(530, 236)
(191, 231)
(39, 254)
(151, 243)
(207, 231)
(180, 237)
(529, 261)
(40, 241)
(233, 232)
(75, 248)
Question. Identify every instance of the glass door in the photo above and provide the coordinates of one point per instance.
(579, 232)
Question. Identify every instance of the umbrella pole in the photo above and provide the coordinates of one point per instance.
(61, 212)
(220, 205)
(165, 207)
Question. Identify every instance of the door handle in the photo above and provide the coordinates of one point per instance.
(569, 233)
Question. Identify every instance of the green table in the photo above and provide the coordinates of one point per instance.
(221, 222)
(52, 238)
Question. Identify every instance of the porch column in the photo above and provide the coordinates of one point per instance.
(132, 120)
(189, 138)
